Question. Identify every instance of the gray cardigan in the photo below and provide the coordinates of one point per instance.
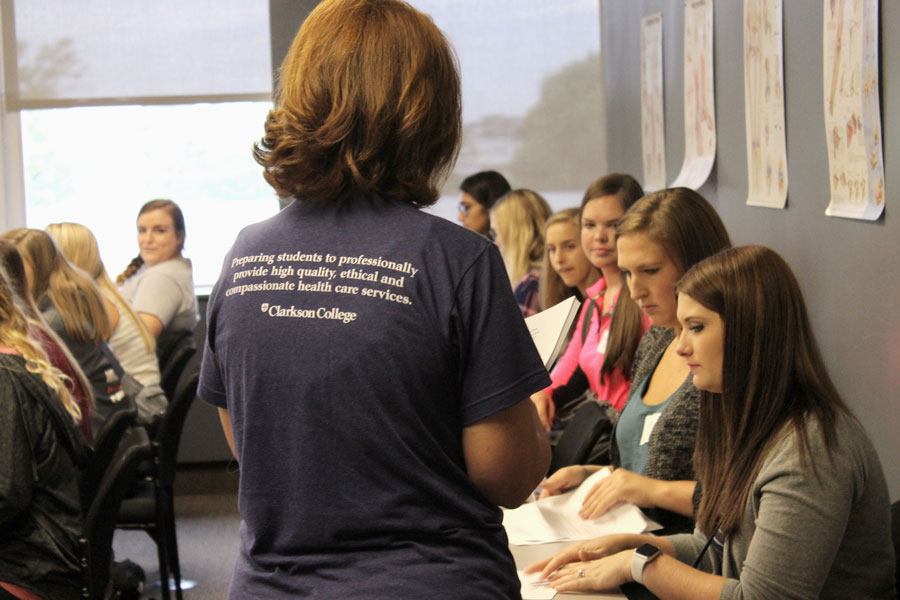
(671, 446)
(808, 533)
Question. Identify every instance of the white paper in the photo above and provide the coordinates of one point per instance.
(699, 95)
(653, 126)
(764, 104)
(555, 519)
(535, 588)
(548, 328)
(649, 424)
(852, 109)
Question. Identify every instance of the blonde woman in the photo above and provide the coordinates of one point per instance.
(131, 340)
(566, 270)
(57, 351)
(517, 226)
(73, 306)
(40, 448)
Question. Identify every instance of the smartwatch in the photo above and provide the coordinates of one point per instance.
(643, 555)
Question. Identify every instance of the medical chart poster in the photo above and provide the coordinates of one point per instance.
(852, 109)
(699, 95)
(653, 127)
(767, 178)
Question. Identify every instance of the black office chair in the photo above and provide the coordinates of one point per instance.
(100, 518)
(895, 536)
(174, 355)
(152, 508)
(106, 444)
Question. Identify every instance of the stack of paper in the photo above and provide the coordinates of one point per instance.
(555, 519)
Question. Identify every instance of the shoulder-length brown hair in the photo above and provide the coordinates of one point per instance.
(625, 324)
(368, 104)
(71, 291)
(773, 377)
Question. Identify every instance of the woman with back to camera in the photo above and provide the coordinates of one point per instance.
(600, 358)
(73, 307)
(159, 283)
(379, 406)
(57, 352)
(517, 226)
(661, 236)
(131, 340)
(478, 193)
(40, 448)
(794, 502)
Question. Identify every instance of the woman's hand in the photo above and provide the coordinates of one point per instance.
(620, 486)
(546, 410)
(584, 551)
(564, 480)
(606, 573)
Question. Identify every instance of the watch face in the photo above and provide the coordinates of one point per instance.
(647, 550)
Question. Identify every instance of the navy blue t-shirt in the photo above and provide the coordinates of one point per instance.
(351, 348)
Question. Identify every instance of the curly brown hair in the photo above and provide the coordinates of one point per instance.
(368, 104)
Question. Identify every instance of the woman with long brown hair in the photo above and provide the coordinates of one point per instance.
(74, 308)
(57, 351)
(661, 236)
(794, 502)
(40, 450)
(600, 355)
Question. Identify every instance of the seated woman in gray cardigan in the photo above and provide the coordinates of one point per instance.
(794, 501)
(658, 239)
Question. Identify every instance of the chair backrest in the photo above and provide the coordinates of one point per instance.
(168, 436)
(106, 443)
(895, 536)
(173, 362)
(100, 519)
(588, 429)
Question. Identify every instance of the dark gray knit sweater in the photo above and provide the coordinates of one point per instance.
(671, 445)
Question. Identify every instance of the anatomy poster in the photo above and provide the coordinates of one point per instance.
(852, 111)
(699, 95)
(653, 127)
(764, 102)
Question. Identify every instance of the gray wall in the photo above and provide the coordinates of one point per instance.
(849, 270)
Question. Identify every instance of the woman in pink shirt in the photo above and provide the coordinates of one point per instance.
(601, 358)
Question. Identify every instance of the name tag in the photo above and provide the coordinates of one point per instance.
(604, 339)
(649, 424)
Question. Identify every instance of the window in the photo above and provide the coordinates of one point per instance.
(98, 165)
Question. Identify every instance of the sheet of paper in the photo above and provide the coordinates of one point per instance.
(556, 519)
(653, 127)
(699, 95)
(852, 109)
(548, 328)
(764, 104)
(535, 588)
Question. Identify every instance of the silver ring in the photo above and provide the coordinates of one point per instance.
(581, 572)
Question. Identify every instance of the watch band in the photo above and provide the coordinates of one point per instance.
(643, 555)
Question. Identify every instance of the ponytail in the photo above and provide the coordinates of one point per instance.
(136, 263)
